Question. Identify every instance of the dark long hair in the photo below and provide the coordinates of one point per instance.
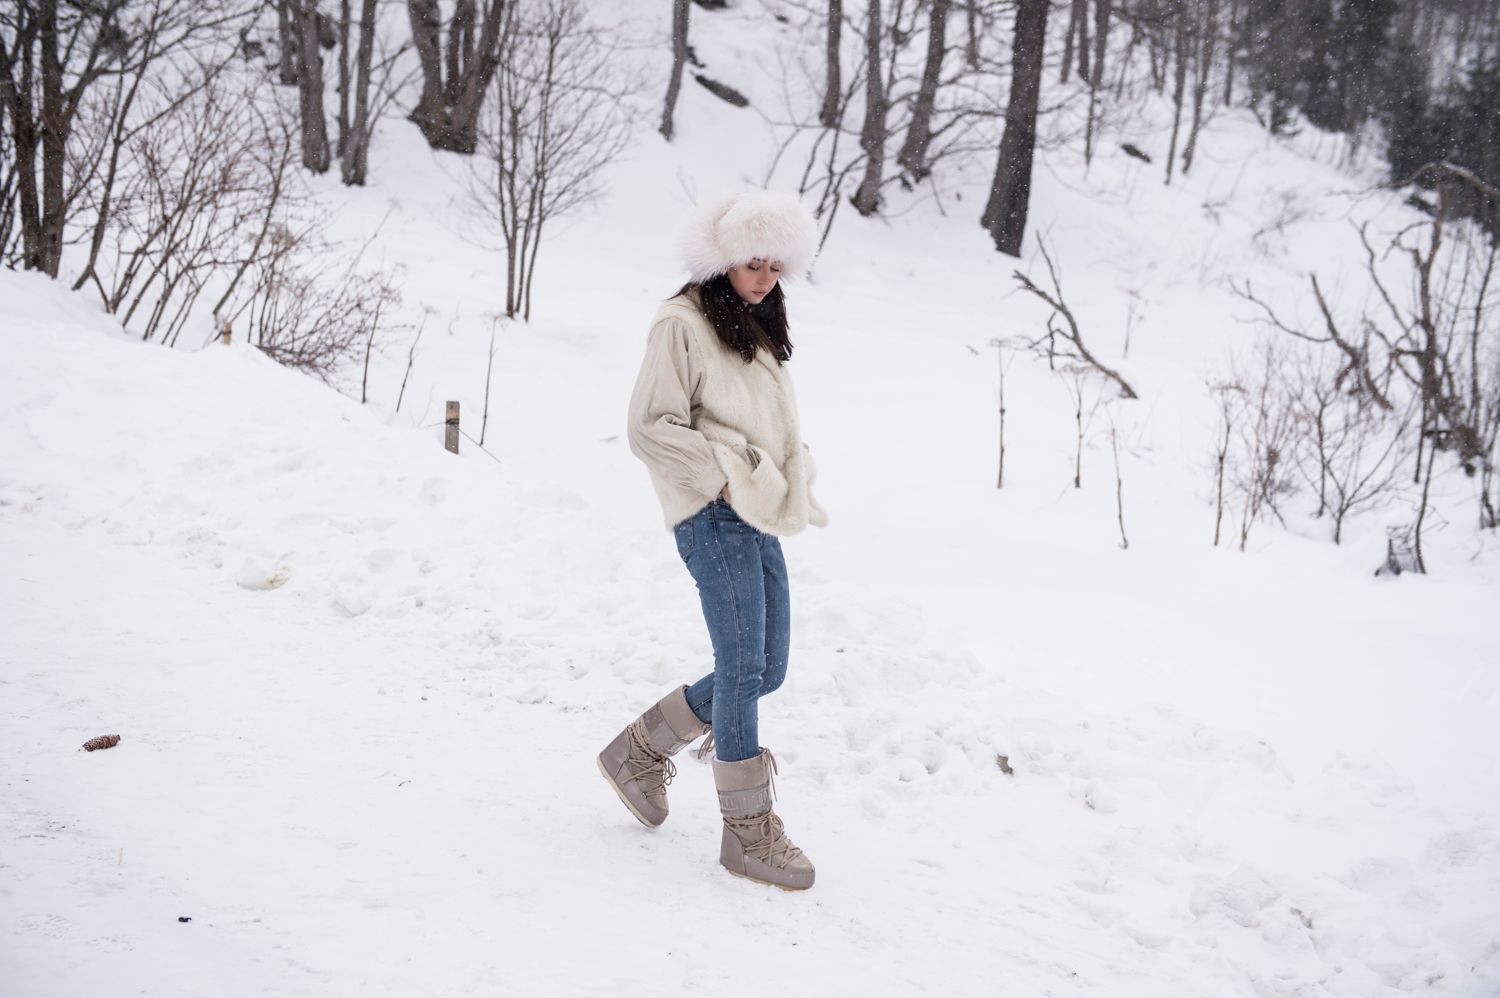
(742, 327)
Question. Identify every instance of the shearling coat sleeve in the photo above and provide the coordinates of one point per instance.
(660, 426)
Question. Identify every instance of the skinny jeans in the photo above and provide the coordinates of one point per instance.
(742, 584)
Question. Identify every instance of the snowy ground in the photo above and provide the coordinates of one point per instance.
(360, 682)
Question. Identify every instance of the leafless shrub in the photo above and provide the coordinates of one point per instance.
(1399, 554)
(558, 117)
(1001, 367)
(1285, 209)
(301, 316)
(1426, 362)
(1229, 403)
(1351, 447)
(191, 203)
(1065, 341)
(1490, 442)
(411, 355)
(489, 372)
(1079, 381)
(1257, 461)
(1114, 448)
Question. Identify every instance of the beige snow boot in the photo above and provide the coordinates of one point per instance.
(638, 762)
(755, 844)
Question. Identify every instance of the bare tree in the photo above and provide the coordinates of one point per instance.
(305, 19)
(1181, 44)
(1207, 32)
(832, 87)
(52, 54)
(203, 181)
(999, 346)
(559, 117)
(489, 371)
(872, 137)
(1078, 15)
(1229, 401)
(307, 316)
(1414, 382)
(379, 295)
(913, 153)
(1114, 447)
(680, 10)
(366, 89)
(1102, 10)
(1259, 466)
(411, 355)
(1072, 347)
(1350, 448)
(1078, 382)
(1010, 193)
(288, 41)
(10, 231)
(456, 78)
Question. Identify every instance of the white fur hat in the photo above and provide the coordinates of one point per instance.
(732, 229)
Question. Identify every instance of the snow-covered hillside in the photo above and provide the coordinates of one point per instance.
(360, 682)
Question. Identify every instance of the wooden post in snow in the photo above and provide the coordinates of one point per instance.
(450, 429)
(224, 334)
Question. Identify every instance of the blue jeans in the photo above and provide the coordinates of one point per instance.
(742, 582)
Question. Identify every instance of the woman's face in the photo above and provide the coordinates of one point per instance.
(754, 280)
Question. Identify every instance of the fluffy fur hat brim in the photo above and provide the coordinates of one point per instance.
(733, 229)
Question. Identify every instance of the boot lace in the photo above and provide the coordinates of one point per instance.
(649, 768)
(765, 839)
(763, 835)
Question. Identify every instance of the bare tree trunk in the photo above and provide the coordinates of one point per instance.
(1096, 80)
(1083, 45)
(872, 137)
(354, 161)
(1421, 562)
(972, 52)
(342, 139)
(41, 128)
(833, 83)
(47, 247)
(913, 153)
(1005, 214)
(460, 50)
(288, 40)
(679, 59)
(1077, 11)
(1207, 43)
(448, 110)
(1179, 83)
(1232, 47)
(315, 154)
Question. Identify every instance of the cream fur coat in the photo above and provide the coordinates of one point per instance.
(700, 417)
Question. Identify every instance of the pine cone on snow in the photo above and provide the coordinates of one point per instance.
(103, 741)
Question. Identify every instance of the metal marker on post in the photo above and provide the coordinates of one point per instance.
(450, 429)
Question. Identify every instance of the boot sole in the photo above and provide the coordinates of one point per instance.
(621, 794)
(767, 883)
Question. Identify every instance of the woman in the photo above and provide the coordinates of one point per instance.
(715, 421)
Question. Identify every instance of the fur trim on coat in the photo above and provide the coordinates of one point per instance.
(733, 229)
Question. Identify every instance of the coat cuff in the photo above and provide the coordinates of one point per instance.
(712, 481)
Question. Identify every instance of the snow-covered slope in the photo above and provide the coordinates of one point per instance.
(360, 681)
